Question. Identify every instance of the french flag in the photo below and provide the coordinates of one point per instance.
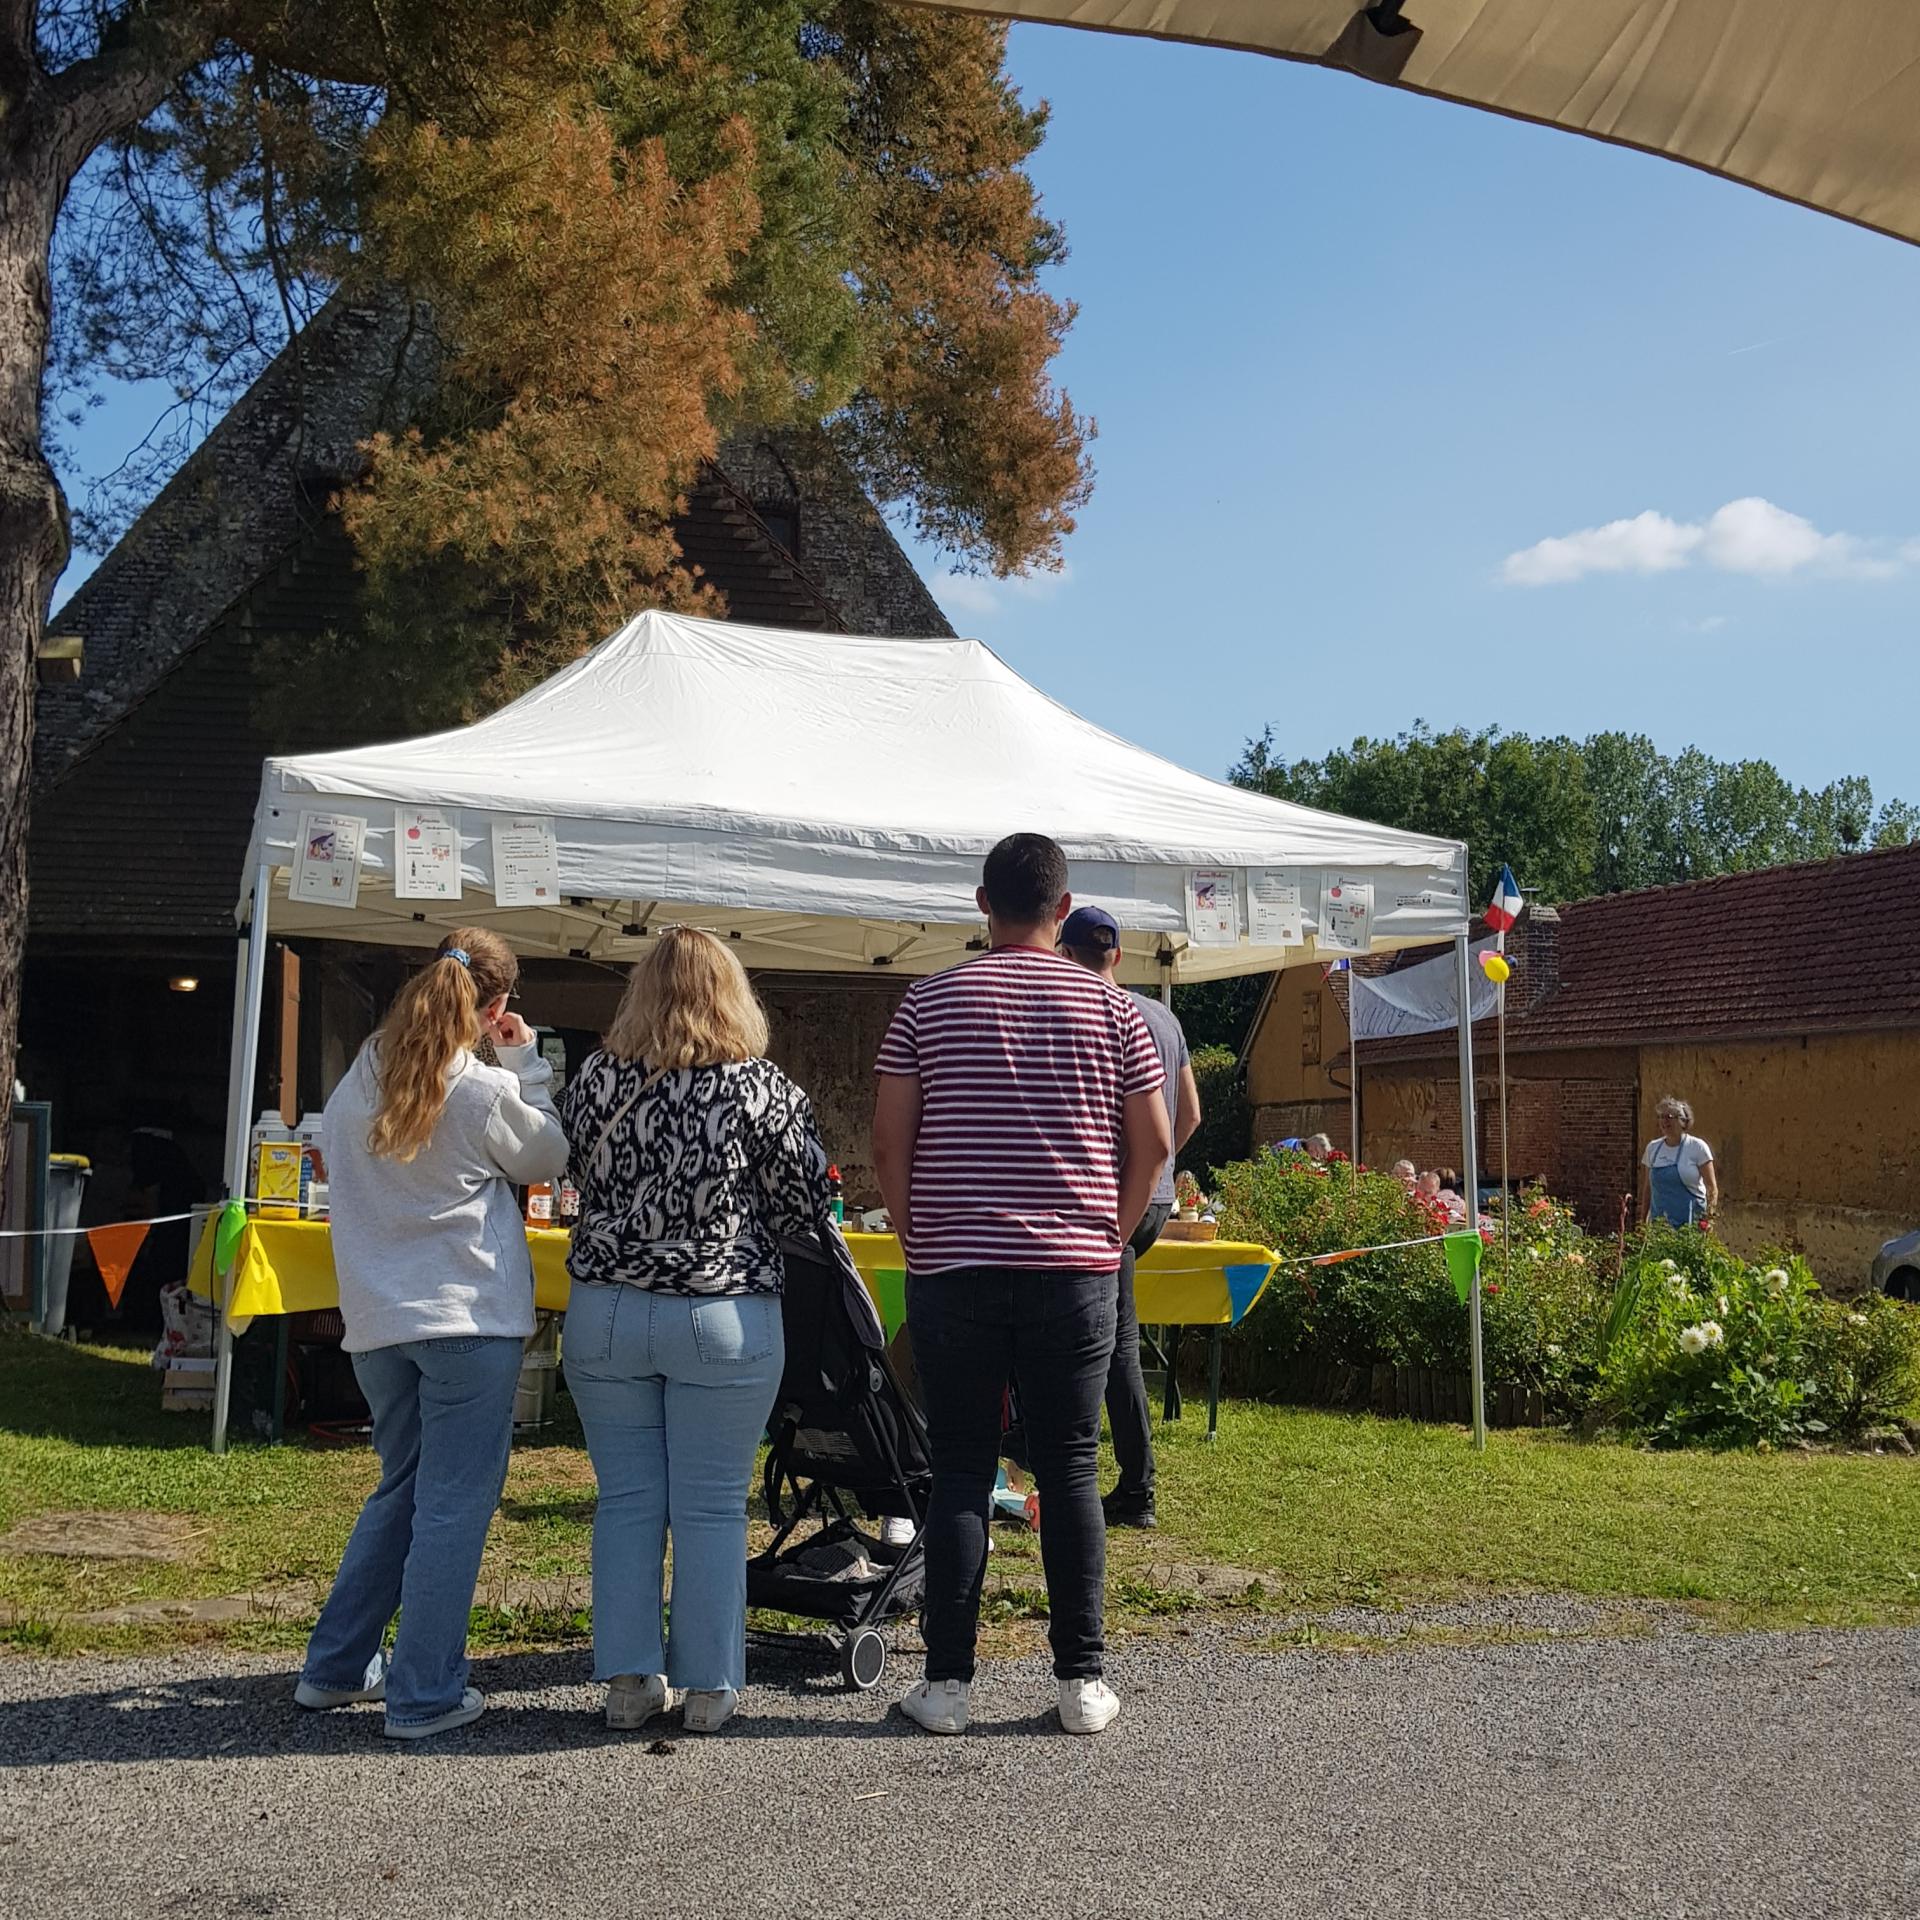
(1504, 908)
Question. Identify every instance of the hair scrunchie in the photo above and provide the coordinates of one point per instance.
(460, 954)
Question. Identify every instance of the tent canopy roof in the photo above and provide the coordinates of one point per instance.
(826, 799)
(1817, 103)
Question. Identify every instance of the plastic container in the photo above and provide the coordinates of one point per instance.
(836, 1194)
(311, 1133)
(534, 1397)
(67, 1177)
(540, 1204)
(268, 1127)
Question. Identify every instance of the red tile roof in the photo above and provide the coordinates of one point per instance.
(1826, 945)
(1823, 946)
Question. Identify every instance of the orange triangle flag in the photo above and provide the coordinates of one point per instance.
(115, 1249)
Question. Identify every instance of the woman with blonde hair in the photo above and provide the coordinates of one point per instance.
(694, 1155)
(424, 1145)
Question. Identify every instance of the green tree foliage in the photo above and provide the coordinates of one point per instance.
(1221, 1137)
(1573, 818)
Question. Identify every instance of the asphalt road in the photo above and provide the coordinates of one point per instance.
(1681, 1776)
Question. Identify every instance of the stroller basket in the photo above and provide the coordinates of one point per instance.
(845, 1442)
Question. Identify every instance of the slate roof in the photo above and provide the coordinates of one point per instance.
(149, 766)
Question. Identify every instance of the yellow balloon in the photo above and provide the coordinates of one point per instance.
(1494, 966)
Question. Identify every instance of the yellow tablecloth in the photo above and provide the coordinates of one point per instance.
(286, 1266)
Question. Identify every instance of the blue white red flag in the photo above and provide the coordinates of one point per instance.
(1504, 908)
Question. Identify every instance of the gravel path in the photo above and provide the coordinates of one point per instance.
(1681, 1776)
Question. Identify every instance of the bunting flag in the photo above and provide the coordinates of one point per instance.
(1504, 908)
(1462, 1252)
(115, 1249)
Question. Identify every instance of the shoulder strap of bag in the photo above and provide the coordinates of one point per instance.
(625, 1107)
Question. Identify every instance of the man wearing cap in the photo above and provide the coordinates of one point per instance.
(1091, 936)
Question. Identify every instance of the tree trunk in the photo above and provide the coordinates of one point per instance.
(33, 546)
(49, 125)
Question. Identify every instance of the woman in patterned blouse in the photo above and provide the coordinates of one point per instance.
(694, 1155)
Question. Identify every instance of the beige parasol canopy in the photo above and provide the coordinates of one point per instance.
(1817, 101)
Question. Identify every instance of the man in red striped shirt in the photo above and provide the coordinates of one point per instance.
(1018, 1131)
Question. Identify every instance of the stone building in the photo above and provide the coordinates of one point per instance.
(148, 765)
(1783, 1004)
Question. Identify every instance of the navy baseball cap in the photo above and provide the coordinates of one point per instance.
(1091, 927)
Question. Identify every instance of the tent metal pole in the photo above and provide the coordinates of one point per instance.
(1470, 1175)
(241, 1085)
(1506, 1176)
(1353, 1072)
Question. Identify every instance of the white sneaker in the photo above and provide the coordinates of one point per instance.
(938, 1705)
(896, 1530)
(473, 1703)
(320, 1699)
(1088, 1706)
(710, 1708)
(635, 1698)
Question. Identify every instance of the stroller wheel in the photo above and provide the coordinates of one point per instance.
(863, 1659)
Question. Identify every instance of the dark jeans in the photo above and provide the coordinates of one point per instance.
(1127, 1411)
(973, 1330)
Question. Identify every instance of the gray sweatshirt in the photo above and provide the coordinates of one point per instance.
(434, 1247)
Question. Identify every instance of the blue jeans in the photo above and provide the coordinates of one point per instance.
(674, 1394)
(442, 1426)
(974, 1330)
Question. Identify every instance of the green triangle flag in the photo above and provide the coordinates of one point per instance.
(229, 1224)
(1463, 1261)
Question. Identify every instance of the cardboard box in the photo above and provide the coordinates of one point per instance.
(278, 1182)
(187, 1387)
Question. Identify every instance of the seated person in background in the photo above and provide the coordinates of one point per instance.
(1407, 1174)
(1318, 1147)
(1449, 1192)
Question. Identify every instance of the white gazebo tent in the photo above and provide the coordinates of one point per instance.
(823, 800)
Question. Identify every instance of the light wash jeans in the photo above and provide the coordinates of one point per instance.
(674, 1393)
(442, 1426)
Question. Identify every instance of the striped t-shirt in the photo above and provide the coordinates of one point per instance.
(1023, 1059)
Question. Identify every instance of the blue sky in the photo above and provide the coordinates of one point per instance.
(1354, 356)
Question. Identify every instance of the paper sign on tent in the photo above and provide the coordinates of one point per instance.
(426, 855)
(1346, 914)
(526, 864)
(326, 860)
(1275, 909)
(1213, 907)
(115, 1249)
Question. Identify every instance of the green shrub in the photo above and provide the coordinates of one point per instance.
(1712, 1350)
(1398, 1307)
(1225, 1118)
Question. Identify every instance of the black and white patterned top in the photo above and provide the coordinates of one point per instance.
(695, 1186)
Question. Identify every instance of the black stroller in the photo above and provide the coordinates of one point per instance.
(844, 1440)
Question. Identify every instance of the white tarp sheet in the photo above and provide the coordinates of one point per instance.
(1422, 999)
(1817, 101)
(824, 799)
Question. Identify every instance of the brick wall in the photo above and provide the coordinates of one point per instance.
(1598, 1144)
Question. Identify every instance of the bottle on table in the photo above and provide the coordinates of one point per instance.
(540, 1204)
(569, 1203)
(836, 1195)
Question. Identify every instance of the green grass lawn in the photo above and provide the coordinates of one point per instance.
(1321, 1509)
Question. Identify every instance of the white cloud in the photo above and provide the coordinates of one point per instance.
(977, 596)
(1707, 623)
(1648, 543)
(1749, 536)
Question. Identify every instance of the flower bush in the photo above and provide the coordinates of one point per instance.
(1705, 1348)
(1398, 1307)
(1681, 1342)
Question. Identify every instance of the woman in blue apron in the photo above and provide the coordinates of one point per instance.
(1682, 1186)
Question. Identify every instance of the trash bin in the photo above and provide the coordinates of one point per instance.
(67, 1177)
(539, 1376)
